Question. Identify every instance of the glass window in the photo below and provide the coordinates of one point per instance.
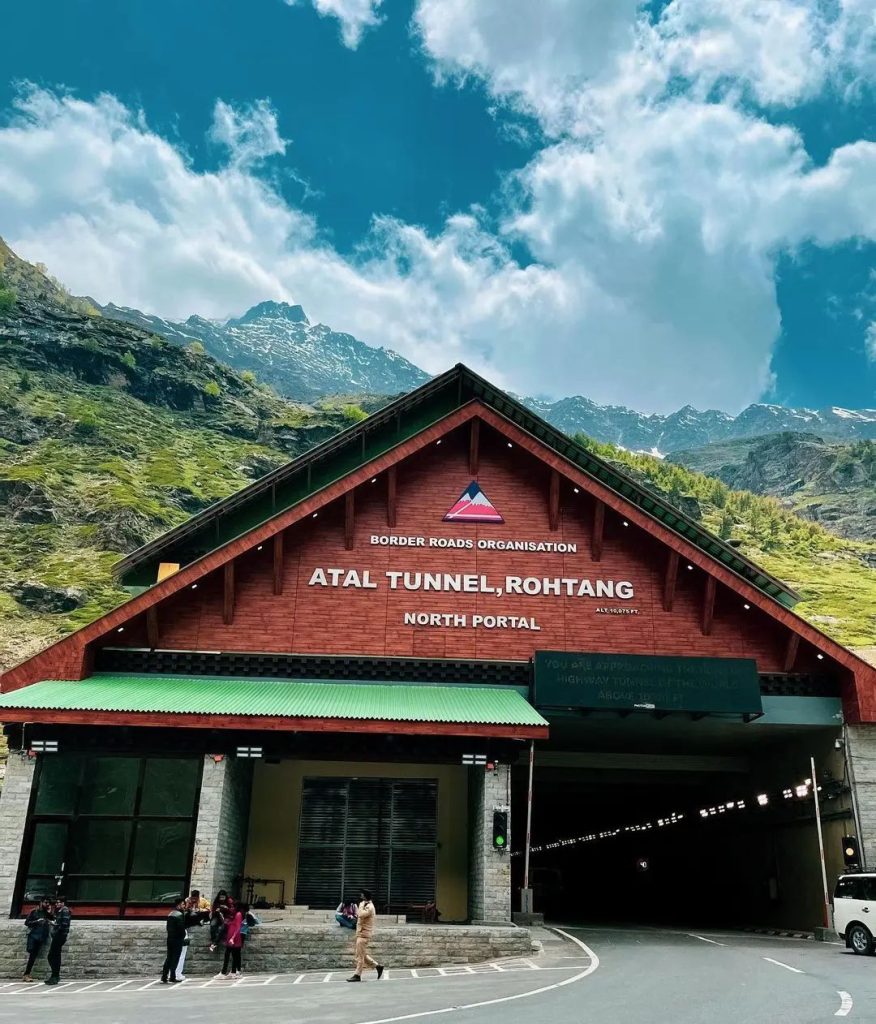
(169, 786)
(101, 890)
(98, 847)
(36, 888)
(47, 851)
(109, 785)
(155, 890)
(58, 785)
(850, 887)
(117, 829)
(868, 889)
(162, 848)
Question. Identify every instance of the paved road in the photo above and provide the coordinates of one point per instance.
(639, 976)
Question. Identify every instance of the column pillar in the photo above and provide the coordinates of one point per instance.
(861, 755)
(14, 801)
(223, 822)
(489, 881)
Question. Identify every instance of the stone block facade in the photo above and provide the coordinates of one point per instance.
(489, 879)
(223, 820)
(861, 753)
(14, 801)
(120, 949)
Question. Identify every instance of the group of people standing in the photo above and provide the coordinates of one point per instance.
(229, 922)
(48, 922)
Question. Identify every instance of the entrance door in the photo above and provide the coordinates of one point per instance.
(377, 834)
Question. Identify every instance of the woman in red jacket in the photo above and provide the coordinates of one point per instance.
(233, 941)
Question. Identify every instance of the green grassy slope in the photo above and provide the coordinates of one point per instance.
(835, 577)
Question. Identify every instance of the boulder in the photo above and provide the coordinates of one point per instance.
(40, 597)
(25, 502)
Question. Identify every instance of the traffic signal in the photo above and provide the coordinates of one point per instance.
(851, 856)
(500, 830)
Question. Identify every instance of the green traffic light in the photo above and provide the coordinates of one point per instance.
(500, 840)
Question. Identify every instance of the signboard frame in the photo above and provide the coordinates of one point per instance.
(595, 681)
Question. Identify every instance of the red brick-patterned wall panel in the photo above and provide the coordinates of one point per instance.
(332, 620)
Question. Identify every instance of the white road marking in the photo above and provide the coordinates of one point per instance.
(277, 981)
(845, 1005)
(787, 967)
(62, 984)
(702, 938)
(328, 977)
(589, 969)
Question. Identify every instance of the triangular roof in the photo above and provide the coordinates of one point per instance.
(288, 485)
(325, 474)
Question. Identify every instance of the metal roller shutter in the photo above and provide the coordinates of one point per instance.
(377, 834)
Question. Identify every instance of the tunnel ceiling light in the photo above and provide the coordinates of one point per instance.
(315, 514)
(763, 799)
(820, 656)
(121, 629)
(690, 567)
(259, 548)
(576, 490)
(625, 523)
(374, 479)
(747, 607)
(510, 445)
(802, 790)
(194, 586)
(439, 441)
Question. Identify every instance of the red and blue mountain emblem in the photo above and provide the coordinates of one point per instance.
(473, 506)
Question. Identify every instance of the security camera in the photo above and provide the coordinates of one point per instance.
(838, 744)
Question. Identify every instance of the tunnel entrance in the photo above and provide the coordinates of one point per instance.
(699, 824)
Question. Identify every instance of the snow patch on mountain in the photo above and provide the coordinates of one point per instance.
(277, 342)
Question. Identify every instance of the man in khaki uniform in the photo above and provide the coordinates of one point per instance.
(364, 932)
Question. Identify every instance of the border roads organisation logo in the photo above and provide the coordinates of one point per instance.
(473, 506)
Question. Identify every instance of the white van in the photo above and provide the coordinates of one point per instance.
(854, 912)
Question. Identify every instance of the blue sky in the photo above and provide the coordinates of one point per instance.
(646, 206)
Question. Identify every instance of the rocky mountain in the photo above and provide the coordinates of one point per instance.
(277, 342)
(691, 428)
(829, 482)
(109, 436)
(305, 361)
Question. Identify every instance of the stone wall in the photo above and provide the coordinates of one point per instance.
(861, 752)
(489, 870)
(14, 800)
(223, 819)
(119, 949)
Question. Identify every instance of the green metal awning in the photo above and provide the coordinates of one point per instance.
(274, 698)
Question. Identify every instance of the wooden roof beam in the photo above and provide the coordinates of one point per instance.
(228, 593)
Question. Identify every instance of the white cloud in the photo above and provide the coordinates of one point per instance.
(117, 212)
(870, 340)
(250, 134)
(539, 52)
(664, 197)
(564, 59)
(355, 16)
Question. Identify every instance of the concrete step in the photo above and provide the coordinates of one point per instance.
(305, 916)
